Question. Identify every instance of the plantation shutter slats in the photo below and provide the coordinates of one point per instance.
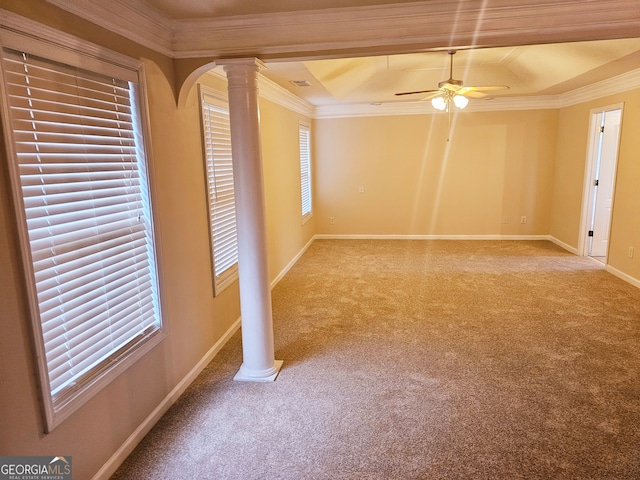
(305, 170)
(83, 181)
(222, 211)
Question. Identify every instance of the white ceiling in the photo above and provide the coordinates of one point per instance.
(414, 35)
(527, 70)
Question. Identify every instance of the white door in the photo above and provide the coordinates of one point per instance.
(603, 182)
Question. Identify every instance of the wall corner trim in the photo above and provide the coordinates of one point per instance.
(566, 246)
(623, 276)
(293, 261)
(138, 434)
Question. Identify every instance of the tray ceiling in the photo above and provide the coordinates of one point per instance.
(364, 51)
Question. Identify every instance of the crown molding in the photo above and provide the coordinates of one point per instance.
(19, 32)
(275, 93)
(425, 108)
(621, 83)
(136, 21)
(391, 28)
(611, 86)
(369, 30)
(270, 90)
(402, 28)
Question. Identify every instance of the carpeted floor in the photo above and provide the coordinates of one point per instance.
(422, 360)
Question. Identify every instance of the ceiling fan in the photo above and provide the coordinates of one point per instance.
(453, 90)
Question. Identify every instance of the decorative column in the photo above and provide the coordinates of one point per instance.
(258, 363)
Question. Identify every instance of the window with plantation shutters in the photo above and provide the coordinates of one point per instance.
(79, 170)
(305, 171)
(222, 209)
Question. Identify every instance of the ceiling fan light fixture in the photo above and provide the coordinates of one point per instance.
(439, 103)
(460, 101)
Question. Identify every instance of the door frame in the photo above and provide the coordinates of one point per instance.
(587, 191)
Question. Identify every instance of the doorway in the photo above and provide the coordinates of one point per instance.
(600, 174)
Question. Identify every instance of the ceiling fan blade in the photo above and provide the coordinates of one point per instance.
(488, 88)
(451, 87)
(436, 93)
(418, 91)
(472, 93)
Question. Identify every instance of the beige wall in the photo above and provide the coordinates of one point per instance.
(573, 126)
(571, 156)
(286, 236)
(195, 320)
(625, 222)
(496, 164)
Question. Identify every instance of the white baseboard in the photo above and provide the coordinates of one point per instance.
(612, 270)
(291, 263)
(109, 468)
(323, 236)
(136, 437)
(566, 246)
(627, 278)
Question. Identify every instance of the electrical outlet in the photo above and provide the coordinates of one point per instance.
(361, 189)
(523, 219)
(332, 220)
(505, 220)
(630, 252)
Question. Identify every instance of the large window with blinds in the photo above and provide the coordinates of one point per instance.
(305, 172)
(220, 191)
(81, 184)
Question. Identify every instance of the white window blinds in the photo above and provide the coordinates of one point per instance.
(82, 174)
(305, 171)
(222, 209)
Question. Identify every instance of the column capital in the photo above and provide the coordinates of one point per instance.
(240, 63)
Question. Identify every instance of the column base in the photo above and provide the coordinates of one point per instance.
(246, 375)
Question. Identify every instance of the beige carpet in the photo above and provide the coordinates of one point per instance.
(423, 360)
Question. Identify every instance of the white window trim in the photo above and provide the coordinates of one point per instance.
(22, 34)
(230, 275)
(306, 214)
